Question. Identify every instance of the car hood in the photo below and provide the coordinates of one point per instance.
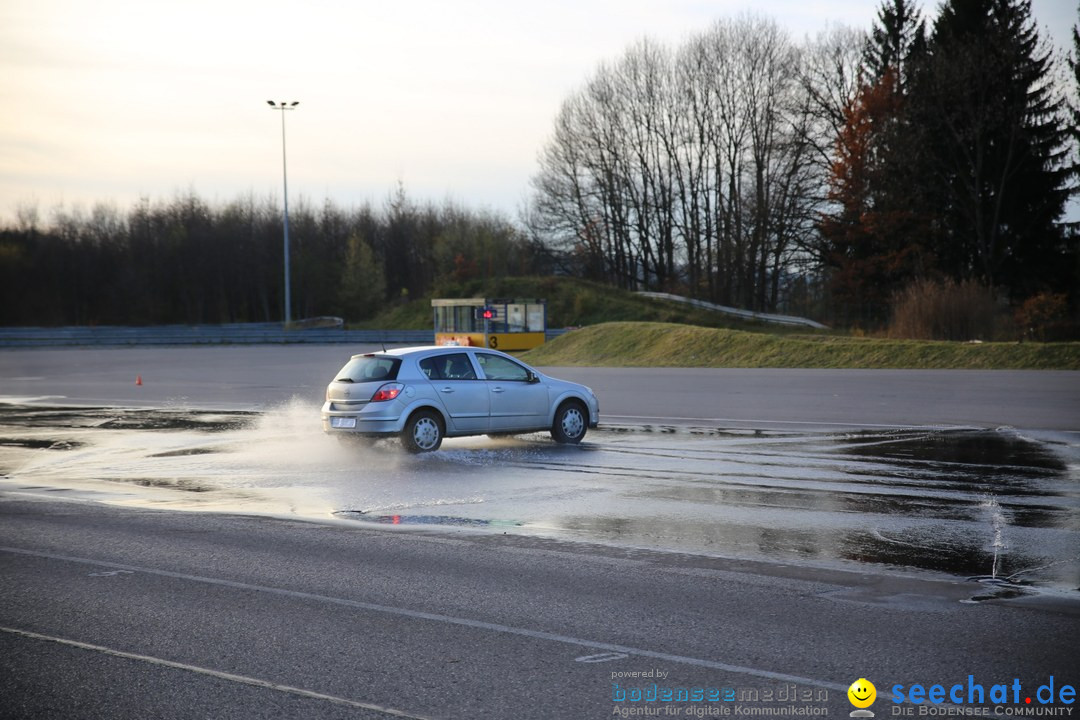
(562, 386)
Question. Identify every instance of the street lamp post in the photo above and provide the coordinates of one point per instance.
(285, 181)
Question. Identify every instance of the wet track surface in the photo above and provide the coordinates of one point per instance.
(993, 505)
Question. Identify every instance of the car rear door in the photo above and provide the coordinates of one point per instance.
(464, 395)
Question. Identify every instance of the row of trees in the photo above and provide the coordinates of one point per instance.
(739, 161)
(740, 167)
(183, 261)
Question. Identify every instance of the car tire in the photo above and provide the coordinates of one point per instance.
(423, 432)
(571, 422)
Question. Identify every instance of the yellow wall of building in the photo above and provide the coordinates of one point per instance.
(507, 342)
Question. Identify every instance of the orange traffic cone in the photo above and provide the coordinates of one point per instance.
(138, 379)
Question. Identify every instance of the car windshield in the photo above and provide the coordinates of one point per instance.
(369, 368)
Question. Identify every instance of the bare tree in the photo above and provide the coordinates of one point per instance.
(688, 169)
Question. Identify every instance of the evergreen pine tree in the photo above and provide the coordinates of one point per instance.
(897, 39)
(997, 171)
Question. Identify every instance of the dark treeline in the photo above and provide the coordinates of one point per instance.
(184, 261)
(826, 178)
(956, 159)
(740, 165)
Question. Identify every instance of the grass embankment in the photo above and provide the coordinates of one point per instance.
(570, 303)
(648, 344)
(625, 329)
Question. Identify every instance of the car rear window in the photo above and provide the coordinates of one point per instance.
(369, 368)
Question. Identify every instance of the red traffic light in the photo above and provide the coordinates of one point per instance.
(488, 313)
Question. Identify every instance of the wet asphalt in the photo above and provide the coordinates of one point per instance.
(117, 612)
(993, 504)
(929, 531)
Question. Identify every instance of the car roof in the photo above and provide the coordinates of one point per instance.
(423, 350)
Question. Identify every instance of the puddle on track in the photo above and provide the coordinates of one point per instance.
(988, 504)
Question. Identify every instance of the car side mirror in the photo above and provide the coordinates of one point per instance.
(533, 377)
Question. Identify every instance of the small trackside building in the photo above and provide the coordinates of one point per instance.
(497, 323)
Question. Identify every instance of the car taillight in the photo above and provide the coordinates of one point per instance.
(389, 391)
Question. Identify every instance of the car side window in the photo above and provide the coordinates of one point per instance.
(448, 367)
(499, 368)
(429, 366)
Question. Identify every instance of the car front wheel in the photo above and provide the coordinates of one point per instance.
(423, 432)
(570, 424)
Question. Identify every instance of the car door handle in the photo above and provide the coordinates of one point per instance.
(448, 390)
(497, 389)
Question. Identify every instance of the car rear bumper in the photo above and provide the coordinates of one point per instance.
(365, 421)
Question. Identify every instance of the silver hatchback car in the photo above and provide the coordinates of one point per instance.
(427, 393)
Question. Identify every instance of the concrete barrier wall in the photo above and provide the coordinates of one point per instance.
(736, 312)
(233, 334)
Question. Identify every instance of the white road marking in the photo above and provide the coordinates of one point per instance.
(812, 423)
(112, 573)
(451, 620)
(242, 679)
(601, 658)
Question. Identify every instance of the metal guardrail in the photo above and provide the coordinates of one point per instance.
(229, 334)
(736, 312)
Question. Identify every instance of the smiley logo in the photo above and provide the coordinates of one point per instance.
(862, 693)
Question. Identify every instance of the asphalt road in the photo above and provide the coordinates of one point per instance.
(121, 613)
(245, 377)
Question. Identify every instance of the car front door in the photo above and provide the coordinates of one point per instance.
(516, 402)
(464, 395)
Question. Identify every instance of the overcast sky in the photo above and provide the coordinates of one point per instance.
(111, 100)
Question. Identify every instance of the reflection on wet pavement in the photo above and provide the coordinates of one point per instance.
(444, 520)
(995, 506)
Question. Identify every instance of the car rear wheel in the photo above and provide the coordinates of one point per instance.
(570, 424)
(423, 432)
